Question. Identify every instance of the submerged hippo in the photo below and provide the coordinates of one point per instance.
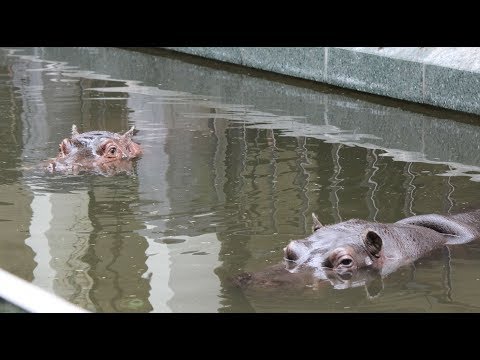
(358, 252)
(101, 152)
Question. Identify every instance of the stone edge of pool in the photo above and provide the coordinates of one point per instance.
(446, 77)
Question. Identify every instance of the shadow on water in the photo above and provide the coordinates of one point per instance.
(233, 166)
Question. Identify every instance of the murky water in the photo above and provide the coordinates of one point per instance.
(234, 165)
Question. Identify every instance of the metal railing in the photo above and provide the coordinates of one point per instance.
(26, 297)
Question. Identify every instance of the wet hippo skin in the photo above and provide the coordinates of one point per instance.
(357, 252)
(101, 152)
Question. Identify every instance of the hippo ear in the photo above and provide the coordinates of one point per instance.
(316, 223)
(129, 133)
(373, 242)
(64, 147)
(74, 130)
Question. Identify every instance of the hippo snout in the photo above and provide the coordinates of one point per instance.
(294, 250)
(51, 166)
(290, 253)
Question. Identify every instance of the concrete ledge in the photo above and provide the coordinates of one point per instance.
(443, 77)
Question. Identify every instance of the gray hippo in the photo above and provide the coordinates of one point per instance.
(358, 252)
(101, 152)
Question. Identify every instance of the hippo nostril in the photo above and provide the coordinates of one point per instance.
(290, 254)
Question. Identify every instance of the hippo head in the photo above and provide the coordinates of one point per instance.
(358, 252)
(101, 152)
(347, 253)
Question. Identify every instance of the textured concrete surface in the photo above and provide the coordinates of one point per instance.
(444, 77)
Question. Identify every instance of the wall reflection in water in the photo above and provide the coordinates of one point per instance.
(233, 167)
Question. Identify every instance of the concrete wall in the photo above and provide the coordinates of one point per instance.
(444, 77)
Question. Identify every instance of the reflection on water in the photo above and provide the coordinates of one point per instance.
(233, 166)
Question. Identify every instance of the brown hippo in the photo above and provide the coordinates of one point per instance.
(101, 152)
(358, 252)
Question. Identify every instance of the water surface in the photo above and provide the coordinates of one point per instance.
(234, 165)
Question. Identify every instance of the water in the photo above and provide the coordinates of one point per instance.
(234, 165)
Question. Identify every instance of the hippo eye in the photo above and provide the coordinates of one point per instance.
(345, 261)
(109, 150)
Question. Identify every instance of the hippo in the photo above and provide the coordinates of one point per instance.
(358, 252)
(100, 152)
